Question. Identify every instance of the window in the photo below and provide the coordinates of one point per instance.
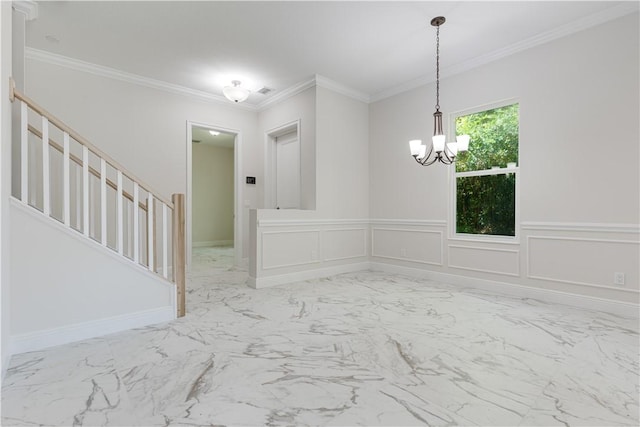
(486, 174)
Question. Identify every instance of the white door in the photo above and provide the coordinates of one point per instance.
(288, 171)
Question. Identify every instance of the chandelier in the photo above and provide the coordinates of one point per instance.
(439, 151)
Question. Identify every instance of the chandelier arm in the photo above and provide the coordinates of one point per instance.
(421, 161)
(435, 159)
(450, 159)
(426, 158)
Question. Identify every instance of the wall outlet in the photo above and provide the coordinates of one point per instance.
(314, 255)
(618, 279)
(403, 252)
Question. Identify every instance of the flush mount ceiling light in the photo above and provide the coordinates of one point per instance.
(235, 93)
(214, 132)
(444, 153)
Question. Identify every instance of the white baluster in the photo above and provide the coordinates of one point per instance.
(119, 204)
(85, 190)
(78, 198)
(136, 224)
(165, 255)
(129, 235)
(103, 202)
(150, 233)
(66, 181)
(46, 199)
(24, 152)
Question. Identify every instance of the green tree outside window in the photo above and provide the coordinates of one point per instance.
(485, 203)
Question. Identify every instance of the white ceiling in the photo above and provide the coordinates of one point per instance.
(375, 48)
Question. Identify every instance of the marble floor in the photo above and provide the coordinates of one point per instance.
(364, 348)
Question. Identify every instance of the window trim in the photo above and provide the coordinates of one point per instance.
(453, 175)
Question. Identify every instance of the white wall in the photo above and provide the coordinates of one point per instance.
(212, 195)
(338, 127)
(579, 172)
(64, 285)
(5, 179)
(142, 128)
(299, 107)
(295, 244)
(342, 129)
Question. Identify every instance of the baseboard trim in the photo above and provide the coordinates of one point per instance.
(38, 340)
(210, 243)
(617, 308)
(281, 279)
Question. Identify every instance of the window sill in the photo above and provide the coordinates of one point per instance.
(501, 240)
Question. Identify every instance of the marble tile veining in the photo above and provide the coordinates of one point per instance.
(364, 348)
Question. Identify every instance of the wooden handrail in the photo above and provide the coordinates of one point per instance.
(179, 251)
(73, 134)
(78, 161)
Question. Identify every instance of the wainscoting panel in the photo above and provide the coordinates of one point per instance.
(290, 248)
(583, 261)
(294, 249)
(422, 246)
(568, 260)
(338, 244)
(484, 259)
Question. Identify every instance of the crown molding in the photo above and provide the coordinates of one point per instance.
(404, 87)
(112, 73)
(285, 94)
(341, 89)
(623, 9)
(317, 80)
(27, 7)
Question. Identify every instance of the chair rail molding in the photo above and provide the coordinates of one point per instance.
(582, 226)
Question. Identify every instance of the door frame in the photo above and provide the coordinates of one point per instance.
(270, 163)
(237, 191)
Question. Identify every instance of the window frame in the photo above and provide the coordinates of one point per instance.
(453, 176)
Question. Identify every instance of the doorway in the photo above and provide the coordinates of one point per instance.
(283, 170)
(213, 217)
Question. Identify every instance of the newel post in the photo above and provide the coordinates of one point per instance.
(179, 250)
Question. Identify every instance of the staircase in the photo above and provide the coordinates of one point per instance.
(120, 231)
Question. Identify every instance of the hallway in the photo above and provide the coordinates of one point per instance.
(365, 348)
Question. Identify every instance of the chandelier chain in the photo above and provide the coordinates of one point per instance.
(437, 67)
